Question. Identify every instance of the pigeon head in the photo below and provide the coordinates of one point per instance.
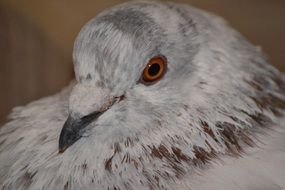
(140, 57)
(208, 78)
(165, 79)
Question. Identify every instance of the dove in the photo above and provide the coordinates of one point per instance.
(166, 96)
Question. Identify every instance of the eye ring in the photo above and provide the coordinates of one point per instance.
(154, 70)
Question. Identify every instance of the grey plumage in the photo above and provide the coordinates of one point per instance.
(219, 102)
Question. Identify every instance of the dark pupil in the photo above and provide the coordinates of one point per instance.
(154, 69)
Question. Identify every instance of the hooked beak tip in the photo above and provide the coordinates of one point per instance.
(62, 149)
(70, 133)
(67, 139)
(72, 130)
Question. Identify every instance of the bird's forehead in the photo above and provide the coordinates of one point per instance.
(121, 39)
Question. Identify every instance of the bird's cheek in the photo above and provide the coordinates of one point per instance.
(112, 115)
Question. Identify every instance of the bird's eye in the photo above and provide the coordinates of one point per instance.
(154, 70)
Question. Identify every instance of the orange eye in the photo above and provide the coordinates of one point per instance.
(154, 70)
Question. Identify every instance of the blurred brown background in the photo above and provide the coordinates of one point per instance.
(36, 39)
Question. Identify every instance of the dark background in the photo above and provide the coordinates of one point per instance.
(36, 39)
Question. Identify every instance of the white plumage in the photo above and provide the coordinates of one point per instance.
(214, 120)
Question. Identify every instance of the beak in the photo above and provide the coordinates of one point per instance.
(73, 129)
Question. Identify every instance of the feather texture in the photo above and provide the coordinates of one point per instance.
(214, 121)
